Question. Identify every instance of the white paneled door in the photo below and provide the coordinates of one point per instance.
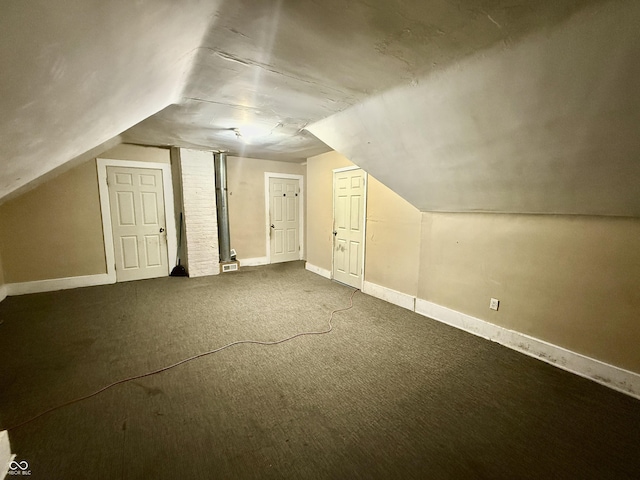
(136, 198)
(348, 226)
(284, 215)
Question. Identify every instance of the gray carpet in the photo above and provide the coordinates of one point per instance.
(387, 394)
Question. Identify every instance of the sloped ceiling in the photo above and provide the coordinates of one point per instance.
(76, 73)
(253, 77)
(271, 68)
(549, 125)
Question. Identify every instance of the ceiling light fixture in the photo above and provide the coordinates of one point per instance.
(251, 133)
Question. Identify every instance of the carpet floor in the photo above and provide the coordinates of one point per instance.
(387, 394)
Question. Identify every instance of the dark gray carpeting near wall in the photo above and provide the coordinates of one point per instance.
(387, 394)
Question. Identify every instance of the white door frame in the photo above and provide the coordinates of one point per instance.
(172, 240)
(364, 218)
(267, 204)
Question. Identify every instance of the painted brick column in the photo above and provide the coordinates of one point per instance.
(199, 209)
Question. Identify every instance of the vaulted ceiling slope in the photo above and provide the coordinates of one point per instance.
(548, 125)
(244, 75)
(76, 73)
(270, 68)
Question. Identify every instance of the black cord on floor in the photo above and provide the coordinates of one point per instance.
(200, 355)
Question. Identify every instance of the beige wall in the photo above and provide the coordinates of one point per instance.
(393, 240)
(320, 206)
(247, 220)
(573, 281)
(393, 227)
(569, 280)
(1, 273)
(54, 230)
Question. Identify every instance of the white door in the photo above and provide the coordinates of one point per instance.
(348, 226)
(136, 198)
(284, 217)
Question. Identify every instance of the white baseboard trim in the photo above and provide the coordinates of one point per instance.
(3, 295)
(59, 284)
(253, 262)
(320, 271)
(5, 454)
(400, 299)
(605, 374)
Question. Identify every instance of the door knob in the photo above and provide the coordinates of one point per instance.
(335, 233)
(273, 226)
(161, 229)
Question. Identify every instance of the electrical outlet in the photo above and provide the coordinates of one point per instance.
(494, 304)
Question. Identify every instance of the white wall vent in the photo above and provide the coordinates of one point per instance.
(229, 267)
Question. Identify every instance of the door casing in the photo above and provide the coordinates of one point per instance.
(364, 220)
(284, 203)
(267, 203)
(103, 188)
